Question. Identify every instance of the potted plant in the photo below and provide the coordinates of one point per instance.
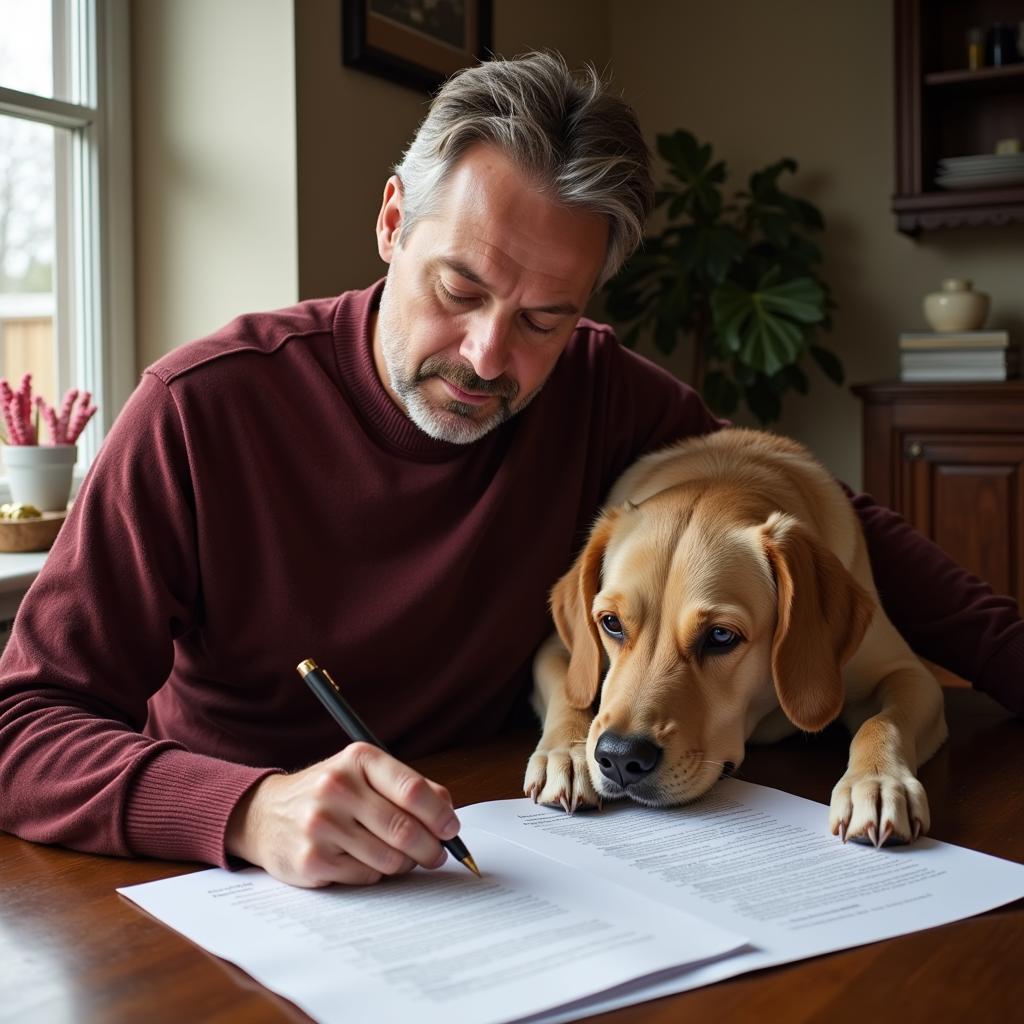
(739, 278)
(40, 474)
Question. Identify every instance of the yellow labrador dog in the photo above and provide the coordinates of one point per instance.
(727, 584)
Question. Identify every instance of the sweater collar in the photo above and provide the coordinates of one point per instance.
(353, 346)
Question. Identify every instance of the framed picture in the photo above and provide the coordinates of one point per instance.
(416, 42)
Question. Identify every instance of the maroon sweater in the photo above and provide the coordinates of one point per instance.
(260, 500)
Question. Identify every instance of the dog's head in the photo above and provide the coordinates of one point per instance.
(709, 618)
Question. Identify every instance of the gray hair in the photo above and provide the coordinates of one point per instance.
(581, 144)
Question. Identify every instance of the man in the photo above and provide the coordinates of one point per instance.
(388, 482)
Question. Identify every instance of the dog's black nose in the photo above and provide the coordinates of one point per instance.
(626, 759)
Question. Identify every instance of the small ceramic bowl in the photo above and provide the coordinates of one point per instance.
(30, 534)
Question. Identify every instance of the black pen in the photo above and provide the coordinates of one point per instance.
(320, 682)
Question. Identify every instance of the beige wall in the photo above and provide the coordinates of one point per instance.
(260, 160)
(353, 127)
(214, 165)
(813, 81)
(232, 214)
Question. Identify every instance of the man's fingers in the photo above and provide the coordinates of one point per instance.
(353, 839)
(421, 799)
(343, 869)
(399, 831)
(351, 819)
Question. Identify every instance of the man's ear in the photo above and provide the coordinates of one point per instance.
(389, 220)
(572, 599)
(823, 614)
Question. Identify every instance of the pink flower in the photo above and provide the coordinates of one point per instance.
(65, 427)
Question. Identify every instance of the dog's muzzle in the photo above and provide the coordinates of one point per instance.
(626, 759)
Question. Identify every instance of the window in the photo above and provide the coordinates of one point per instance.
(66, 313)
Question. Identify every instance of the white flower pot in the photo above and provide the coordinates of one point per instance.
(40, 474)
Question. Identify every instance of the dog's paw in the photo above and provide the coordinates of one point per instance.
(560, 777)
(879, 808)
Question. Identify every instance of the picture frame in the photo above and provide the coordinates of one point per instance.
(417, 43)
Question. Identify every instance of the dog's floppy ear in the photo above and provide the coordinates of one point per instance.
(823, 614)
(572, 598)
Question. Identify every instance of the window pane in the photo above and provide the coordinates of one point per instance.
(27, 246)
(26, 46)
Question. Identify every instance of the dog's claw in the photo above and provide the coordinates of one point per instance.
(564, 803)
(917, 828)
(886, 833)
(842, 831)
(873, 835)
(575, 803)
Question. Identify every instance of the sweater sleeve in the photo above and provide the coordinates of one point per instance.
(93, 639)
(944, 613)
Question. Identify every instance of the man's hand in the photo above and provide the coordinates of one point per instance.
(353, 818)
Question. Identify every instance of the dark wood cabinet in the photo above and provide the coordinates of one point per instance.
(945, 109)
(950, 458)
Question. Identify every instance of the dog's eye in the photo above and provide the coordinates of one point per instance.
(611, 625)
(719, 639)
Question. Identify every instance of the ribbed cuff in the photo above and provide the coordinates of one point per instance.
(179, 807)
(1003, 675)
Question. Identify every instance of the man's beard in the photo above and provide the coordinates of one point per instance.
(455, 422)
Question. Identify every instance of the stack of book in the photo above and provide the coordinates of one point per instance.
(957, 355)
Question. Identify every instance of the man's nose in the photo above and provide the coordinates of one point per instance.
(626, 759)
(485, 347)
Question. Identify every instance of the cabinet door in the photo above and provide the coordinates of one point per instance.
(966, 492)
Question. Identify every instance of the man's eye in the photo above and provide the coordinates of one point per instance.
(611, 625)
(537, 328)
(718, 639)
(452, 297)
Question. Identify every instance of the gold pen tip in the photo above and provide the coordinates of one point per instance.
(305, 667)
(471, 864)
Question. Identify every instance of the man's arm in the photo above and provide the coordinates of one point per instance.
(944, 613)
(94, 639)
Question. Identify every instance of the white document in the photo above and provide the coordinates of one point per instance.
(437, 946)
(760, 862)
(580, 914)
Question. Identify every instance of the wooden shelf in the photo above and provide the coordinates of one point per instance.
(950, 113)
(955, 208)
(981, 79)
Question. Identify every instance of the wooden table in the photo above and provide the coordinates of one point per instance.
(71, 949)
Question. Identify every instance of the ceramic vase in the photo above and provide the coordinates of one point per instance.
(40, 474)
(957, 307)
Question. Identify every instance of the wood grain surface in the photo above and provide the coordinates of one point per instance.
(72, 949)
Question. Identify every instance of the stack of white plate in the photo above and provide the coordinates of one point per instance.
(983, 171)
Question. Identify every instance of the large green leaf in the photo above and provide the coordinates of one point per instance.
(801, 299)
(771, 343)
(765, 327)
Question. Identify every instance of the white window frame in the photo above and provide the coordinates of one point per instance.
(95, 304)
